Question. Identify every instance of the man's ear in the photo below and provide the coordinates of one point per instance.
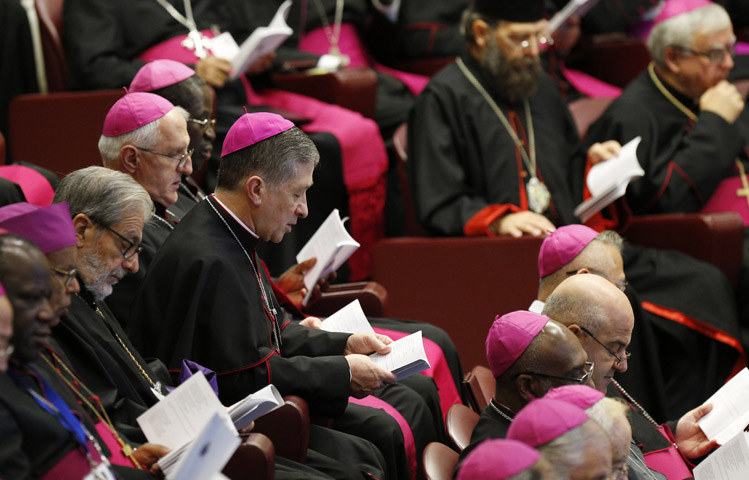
(82, 224)
(255, 187)
(672, 55)
(575, 328)
(129, 159)
(480, 31)
(526, 387)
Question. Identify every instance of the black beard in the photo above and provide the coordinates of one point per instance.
(511, 79)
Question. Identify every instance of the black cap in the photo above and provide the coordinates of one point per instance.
(511, 10)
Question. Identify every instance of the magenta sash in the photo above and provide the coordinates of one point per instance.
(588, 85)
(73, 466)
(116, 456)
(172, 49)
(742, 48)
(35, 186)
(316, 41)
(439, 370)
(408, 436)
(724, 199)
(668, 461)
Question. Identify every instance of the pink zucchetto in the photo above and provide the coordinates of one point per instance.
(252, 128)
(509, 336)
(673, 8)
(159, 74)
(133, 111)
(497, 459)
(564, 244)
(50, 228)
(581, 396)
(544, 420)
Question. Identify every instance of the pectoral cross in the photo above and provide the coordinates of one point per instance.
(742, 192)
(196, 41)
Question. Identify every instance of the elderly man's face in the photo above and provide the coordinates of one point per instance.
(284, 204)
(100, 259)
(621, 437)
(29, 288)
(158, 170)
(596, 455)
(6, 331)
(696, 71)
(62, 265)
(201, 126)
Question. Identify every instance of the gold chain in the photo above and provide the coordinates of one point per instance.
(100, 412)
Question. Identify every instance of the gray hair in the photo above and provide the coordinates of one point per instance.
(569, 309)
(606, 411)
(103, 195)
(469, 16)
(612, 238)
(564, 452)
(680, 30)
(274, 159)
(147, 136)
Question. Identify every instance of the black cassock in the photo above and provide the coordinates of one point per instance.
(202, 300)
(463, 162)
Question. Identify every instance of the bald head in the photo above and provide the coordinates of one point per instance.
(600, 316)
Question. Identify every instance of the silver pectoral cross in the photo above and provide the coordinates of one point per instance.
(196, 41)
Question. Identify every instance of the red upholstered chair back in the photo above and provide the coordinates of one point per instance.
(460, 422)
(479, 385)
(2, 149)
(585, 111)
(613, 58)
(59, 131)
(51, 30)
(439, 461)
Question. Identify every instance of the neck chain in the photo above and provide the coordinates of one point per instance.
(156, 386)
(499, 410)
(195, 40)
(269, 309)
(333, 33)
(538, 194)
(100, 412)
(163, 220)
(186, 188)
(635, 403)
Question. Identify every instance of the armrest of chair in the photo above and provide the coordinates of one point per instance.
(353, 88)
(717, 238)
(439, 461)
(460, 422)
(255, 455)
(371, 296)
(288, 428)
(479, 385)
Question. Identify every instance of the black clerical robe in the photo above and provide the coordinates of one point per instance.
(89, 341)
(491, 424)
(33, 441)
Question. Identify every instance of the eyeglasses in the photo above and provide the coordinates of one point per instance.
(619, 359)
(68, 277)
(523, 42)
(180, 160)
(715, 56)
(620, 284)
(204, 122)
(131, 249)
(587, 369)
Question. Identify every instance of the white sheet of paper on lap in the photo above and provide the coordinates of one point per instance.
(406, 358)
(729, 462)
(332, 245)
(608, 181)
(730, 413)
(262, 41)
(255, 405)
(180, 416)
(573, 7)
(205, 456)
(349, 319)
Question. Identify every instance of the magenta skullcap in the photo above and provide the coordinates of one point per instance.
(581, 396)
(564, 244)
(543, 420)
(159, 74)
(252, 128)
(673, 8)
(498, 459)
(509, 336)
(50, 228)
(133, 111)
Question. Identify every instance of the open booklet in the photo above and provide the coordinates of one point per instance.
(407, 355)
(608, 181)
(331, 245)
(574, 7)
(262, 41)
(729, 462)
(730, 413)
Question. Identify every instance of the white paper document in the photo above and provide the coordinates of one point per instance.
(574, 7)
(255, 405)
(730, 413)
(608, 181)
(349, 319)
(262, 41)
(332, 245)
(406, 358)
(729, 462)
(205, 456)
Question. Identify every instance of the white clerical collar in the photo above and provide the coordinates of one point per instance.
(537, 306)
(228, 210)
